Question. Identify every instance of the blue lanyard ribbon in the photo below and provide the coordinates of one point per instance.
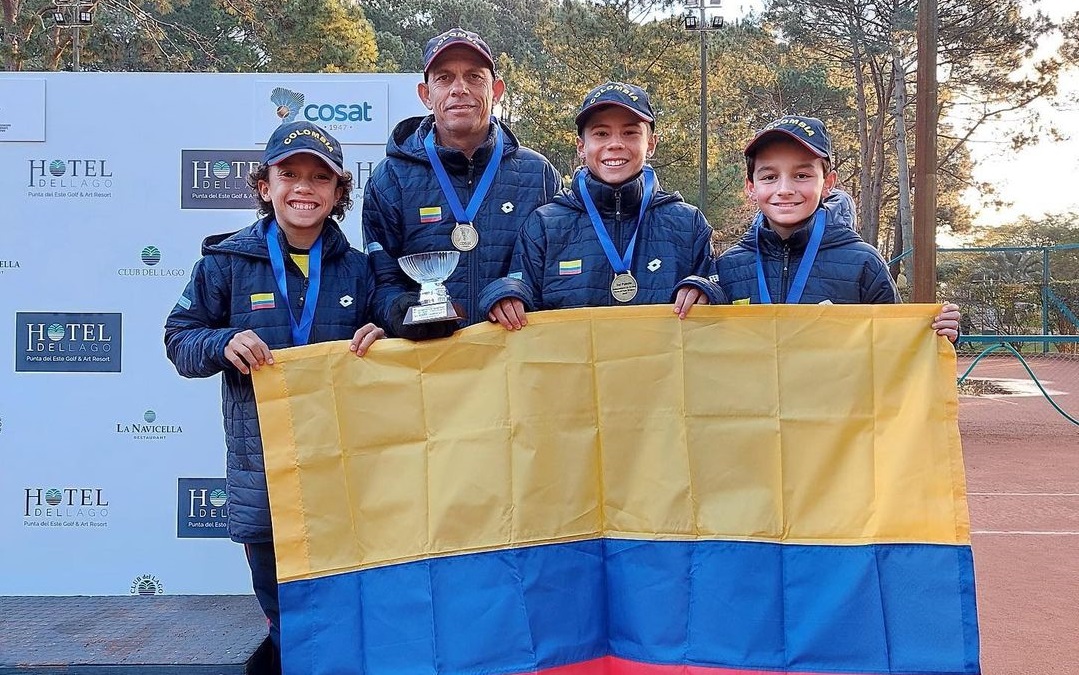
(620, 264)
(804, 267)
(301, 331)
(465, 216)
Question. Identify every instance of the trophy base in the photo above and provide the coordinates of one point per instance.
(439, 311)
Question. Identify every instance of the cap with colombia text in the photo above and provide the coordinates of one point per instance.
(452, 37)
(809, 131)
(303, 137)
(628, 96)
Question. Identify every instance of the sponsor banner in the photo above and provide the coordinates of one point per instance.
(361, 160)
(149, 427)
(146, 584)
(201, 508)
(8, 265)
(355, 111)
(70, 178)
(22, 110)
(65, 507)
(62, 342)
(217, 179)
(151, 258)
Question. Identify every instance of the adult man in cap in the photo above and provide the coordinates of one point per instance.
(456, 179)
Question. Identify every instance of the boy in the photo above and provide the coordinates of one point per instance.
(613, 237)
(289, 279)
(802, 247)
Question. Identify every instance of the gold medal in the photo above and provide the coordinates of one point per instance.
(465, 237)
(624, 287)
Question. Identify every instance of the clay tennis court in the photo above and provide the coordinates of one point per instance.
(1022, 462)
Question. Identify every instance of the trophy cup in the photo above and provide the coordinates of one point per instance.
(429, 269)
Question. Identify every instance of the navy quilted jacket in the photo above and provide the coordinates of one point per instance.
(404, 183)
(217, 304)
(846, 271)
(559, 263)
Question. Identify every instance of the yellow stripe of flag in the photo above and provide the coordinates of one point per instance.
(797, 424)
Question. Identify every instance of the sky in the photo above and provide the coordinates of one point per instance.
(1021, 177)
(1041, 179)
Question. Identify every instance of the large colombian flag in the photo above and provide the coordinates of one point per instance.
(613, 491)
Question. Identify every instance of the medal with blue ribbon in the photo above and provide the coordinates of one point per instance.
(624, 286)
(301, 331)
(465, 237)
(804, 267)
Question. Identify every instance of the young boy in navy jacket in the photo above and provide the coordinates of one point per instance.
(289, 279)
(802, 247)
(614, 236)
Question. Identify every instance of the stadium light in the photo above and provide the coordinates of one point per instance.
(73, 15)
(700, 24)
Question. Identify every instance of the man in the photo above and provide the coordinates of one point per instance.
(456, 179)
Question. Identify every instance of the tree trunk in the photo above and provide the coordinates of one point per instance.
(906, 221)
(865, 158)
(10, 34)
(873, 187)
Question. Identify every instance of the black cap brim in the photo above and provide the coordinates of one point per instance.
(329, 162)
(459, 43)
(583, 116)
(759, 138)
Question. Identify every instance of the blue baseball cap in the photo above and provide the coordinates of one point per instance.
(452, 37)
(809, 131)
(303, 137)
(628, 96)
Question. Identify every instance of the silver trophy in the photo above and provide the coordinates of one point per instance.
(429, 269)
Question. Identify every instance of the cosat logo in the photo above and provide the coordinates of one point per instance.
(288, 105)
(151, 256)
(70, 178)
(65, 507)
(148, 429)
(147, 584)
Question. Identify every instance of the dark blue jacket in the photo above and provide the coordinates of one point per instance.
(404, 182)
(217, 304)
(558, 261)
(846, 271)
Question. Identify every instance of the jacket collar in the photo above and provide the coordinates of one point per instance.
(626, 197)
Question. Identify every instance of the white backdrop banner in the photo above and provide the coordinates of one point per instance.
(111, 465)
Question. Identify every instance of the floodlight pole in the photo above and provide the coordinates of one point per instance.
(75, 47)
(925, 157)
(703, 188)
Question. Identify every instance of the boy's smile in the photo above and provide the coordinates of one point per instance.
(614, 144)
(303, 190)
(788, 184)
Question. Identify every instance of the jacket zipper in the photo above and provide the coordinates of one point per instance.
(786, 268)
(473, 282)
